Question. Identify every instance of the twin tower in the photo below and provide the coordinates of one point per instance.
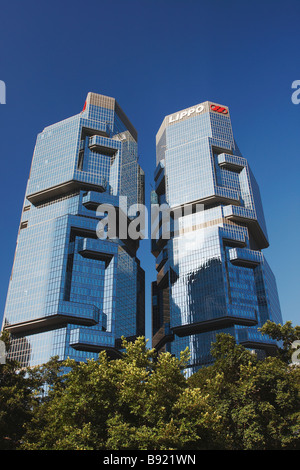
(73, 293)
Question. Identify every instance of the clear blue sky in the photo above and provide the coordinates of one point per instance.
(156, 57)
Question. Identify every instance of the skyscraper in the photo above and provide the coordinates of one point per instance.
(212, 275)
(72, 294)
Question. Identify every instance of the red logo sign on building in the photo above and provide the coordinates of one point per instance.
(218, 109)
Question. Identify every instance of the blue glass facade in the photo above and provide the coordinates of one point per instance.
(70, 293)
(212, 275)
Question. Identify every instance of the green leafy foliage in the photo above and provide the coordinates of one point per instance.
(286, 334)
(258, 400)
(144, 401)
(21, 393)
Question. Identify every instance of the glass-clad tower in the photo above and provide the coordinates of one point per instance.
(72, 294)
(211, 273)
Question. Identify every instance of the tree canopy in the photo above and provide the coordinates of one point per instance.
(144, 401)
